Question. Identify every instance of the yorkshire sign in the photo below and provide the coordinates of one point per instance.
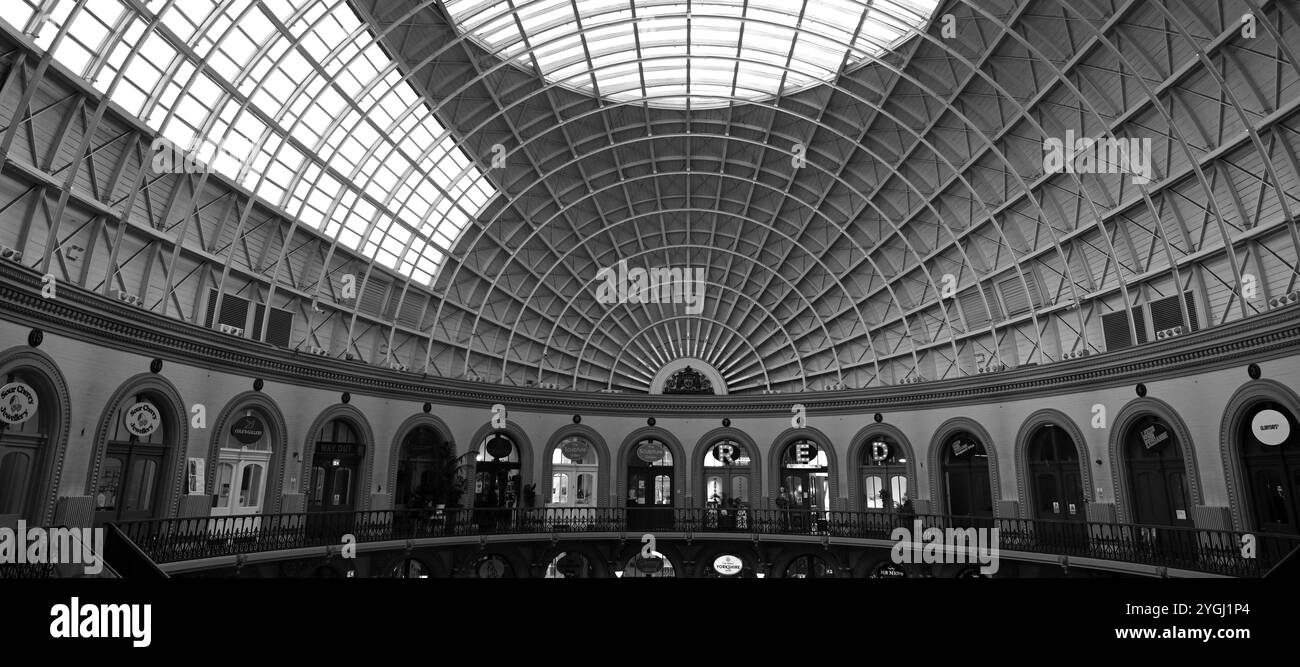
(727, 565)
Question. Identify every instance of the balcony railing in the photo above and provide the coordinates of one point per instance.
(1211, 551)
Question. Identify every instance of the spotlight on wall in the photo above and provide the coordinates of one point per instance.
(233, 331)
(130, 299)
(1284, 300)
(1169, 333)
(10, 254)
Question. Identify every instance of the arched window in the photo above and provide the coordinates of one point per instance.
(336, 468)
(574, 472)
(497, 474)
(1268, 442)
(243, 464)
(966, 476)
(805, 475)
(650, 492)
(1054, 478)
(1157, 480)
(131, 476)
(727, 470)
(28, 418)
(883, 470)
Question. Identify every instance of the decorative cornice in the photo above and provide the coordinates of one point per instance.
(94, 318)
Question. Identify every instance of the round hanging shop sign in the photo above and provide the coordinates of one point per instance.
(499, 447)
(649, 565)
(1269, 426)
(804, 452)
(650, 451)
(142, 419)
(727, 565)
(726, 452)
(17, 403)
(575, 450)
(248, 429)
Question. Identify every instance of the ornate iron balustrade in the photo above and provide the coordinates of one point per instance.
(1211, 551)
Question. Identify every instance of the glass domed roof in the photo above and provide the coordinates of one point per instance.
(703, 53)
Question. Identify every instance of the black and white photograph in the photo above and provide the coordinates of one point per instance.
(988, 310)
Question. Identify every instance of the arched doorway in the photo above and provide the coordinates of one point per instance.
(656, 566)
(809, 566)
(1056, 486)
(336, 468)
(1268, 442)
(1157, 476)
(27, 422)
(650, 492)
(570, 565)
(497, 481)
(575, 470)
(883, 470)
(244, 463)
(967, 489)
(409, 568)
(422, 457)
(805, 485)
(142, 438)
(728, 469)
(491, 566)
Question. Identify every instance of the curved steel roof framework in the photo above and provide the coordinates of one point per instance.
(870, 202)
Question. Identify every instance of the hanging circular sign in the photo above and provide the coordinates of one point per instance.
(727, 565)
(727, 453)
(803, 452)
(650, 565)
(248, 429)
(650, 451)
(575, 449)
(142, 419)
(1269, 426)
(499, 447)
(17, 403)
(889, 571)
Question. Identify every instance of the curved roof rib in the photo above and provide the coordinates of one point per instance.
(865, 184)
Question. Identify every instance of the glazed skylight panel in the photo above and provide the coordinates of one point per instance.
(705, 53)
(292, 99)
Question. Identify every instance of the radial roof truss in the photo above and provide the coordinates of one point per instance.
(892, 224)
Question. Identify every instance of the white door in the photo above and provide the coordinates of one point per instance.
(241, 486)
(573, 487)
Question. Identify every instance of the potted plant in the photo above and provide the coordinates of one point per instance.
(449, 482)
(530, 495)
